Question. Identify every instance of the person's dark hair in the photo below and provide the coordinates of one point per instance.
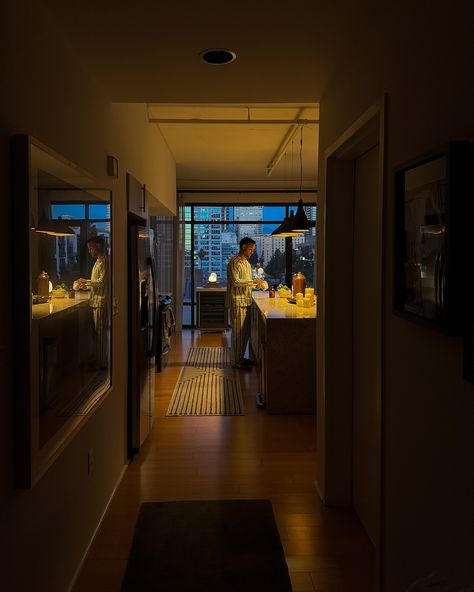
(245, 241)
(98, 239)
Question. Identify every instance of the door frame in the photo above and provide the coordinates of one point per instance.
(335, 312)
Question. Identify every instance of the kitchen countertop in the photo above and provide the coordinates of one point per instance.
(57, 305)
(280, 308)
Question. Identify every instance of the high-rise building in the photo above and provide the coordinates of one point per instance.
(253, 214)
(271, 243)
(214, 243)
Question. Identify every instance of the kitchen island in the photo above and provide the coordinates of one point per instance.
(59, 305)
(62, 332)
(283, 342)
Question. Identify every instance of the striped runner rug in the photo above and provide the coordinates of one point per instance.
(207, 385)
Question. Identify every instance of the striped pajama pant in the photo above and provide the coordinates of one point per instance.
(240, 325)
(100, 336)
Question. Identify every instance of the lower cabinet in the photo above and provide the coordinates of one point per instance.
(285, 356)
(211, 309)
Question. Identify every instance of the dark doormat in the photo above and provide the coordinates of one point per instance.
(208, 546)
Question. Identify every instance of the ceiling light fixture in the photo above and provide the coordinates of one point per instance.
(297, 224)
(53, 227)
(301, 223)
(218, 57)
(286, 227)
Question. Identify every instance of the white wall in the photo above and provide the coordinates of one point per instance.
(142, 147)
(421, 55)
(46, 93)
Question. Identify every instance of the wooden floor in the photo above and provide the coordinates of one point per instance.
(253, 456)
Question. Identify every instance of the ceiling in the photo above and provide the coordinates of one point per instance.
(245, 147)
(148, 52)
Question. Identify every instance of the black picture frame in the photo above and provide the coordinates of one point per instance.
(432, 200)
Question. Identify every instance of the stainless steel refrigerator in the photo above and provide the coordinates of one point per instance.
(142, 335)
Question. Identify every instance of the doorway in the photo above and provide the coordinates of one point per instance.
(366, 343)
(349, 333)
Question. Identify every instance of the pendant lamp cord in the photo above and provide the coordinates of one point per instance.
(301, 164)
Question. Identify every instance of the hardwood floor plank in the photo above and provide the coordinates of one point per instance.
(252, 456)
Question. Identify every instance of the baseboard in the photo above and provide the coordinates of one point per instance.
(316, 485)
(96, 530)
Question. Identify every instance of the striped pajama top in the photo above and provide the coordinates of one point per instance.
(99, 282)
(239, 282)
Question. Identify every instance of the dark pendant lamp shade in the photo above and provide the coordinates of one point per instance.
(53, 227)
(286, 228)
(278, 229)
(300, 223)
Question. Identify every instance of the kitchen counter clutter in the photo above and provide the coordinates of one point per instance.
(283, 341)
(58, 305)
(281, 308)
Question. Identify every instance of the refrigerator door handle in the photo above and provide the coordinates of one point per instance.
(152, 351)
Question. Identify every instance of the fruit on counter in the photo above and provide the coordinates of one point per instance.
(59, 291)
(283, 291)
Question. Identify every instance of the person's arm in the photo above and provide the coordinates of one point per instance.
(237, 271)
(99, 274)
(79, 284)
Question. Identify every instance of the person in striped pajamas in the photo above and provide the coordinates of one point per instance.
(99, 299)
(239, 301)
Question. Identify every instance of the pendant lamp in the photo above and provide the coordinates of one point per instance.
(286, 227)
(53, 227)
(301, 223)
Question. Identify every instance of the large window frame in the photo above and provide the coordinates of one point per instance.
(190, 219)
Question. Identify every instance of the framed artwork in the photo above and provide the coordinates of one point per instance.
(62, 266)
(432, 247)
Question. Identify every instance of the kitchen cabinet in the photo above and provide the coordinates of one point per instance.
(283, 341)
(212, 312)
(137, 198)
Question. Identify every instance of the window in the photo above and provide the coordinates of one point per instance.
(212, 236)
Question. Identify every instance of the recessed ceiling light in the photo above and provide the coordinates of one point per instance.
(218, 57)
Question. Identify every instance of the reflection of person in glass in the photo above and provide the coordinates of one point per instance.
(99, 286)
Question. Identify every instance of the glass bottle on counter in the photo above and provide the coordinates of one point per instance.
(43, 284)
(299, 283)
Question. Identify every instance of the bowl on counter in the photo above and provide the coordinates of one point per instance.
(59, 293)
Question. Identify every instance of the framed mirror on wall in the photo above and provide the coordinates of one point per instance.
(431, 237)
(63, 303)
